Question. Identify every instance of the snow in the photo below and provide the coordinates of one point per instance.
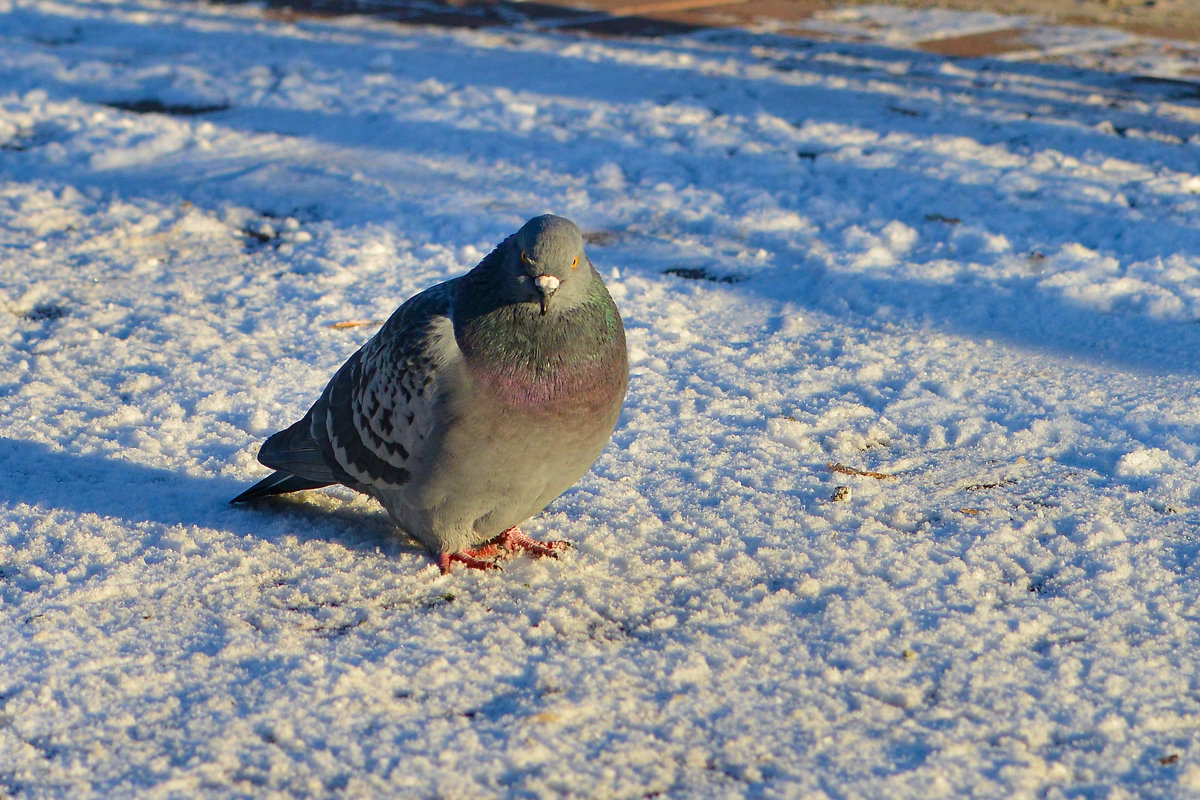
(966, 291)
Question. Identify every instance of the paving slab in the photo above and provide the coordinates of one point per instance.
(1159, 39)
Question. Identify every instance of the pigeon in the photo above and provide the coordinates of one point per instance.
(478, 402)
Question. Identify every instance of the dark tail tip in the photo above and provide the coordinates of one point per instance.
(278, 482)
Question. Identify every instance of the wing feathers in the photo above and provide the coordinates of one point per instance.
(373, 419)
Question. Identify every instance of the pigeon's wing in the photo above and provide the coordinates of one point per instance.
(374, 419)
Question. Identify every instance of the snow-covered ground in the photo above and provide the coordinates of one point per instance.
(979, 280)
(1017, 37)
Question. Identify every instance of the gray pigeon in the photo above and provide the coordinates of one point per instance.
(477, 403)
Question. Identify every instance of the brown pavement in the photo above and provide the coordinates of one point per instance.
(1119, 35)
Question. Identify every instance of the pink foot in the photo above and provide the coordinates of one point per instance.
(468, 558)
(513, 540)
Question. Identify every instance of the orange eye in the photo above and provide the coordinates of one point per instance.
(524, 258)
(575, 263)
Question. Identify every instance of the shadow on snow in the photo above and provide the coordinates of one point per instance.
(50, 479)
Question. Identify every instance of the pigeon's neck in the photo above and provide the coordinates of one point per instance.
(571, 359)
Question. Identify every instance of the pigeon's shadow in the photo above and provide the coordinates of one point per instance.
(47, 478)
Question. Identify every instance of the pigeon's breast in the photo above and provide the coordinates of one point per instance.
(555, 388)
(572, 363)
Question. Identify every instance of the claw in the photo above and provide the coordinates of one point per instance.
(467, 558)
(514, 539)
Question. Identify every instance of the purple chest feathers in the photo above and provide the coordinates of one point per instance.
(592, 387)
(552, 369)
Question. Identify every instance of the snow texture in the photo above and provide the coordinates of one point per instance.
(978, 281)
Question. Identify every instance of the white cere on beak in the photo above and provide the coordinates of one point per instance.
(546, 283)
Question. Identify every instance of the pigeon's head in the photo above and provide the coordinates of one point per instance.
(552, 264)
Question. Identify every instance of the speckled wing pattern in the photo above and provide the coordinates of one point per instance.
(375, 418)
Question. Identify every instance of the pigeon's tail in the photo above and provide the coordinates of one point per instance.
(278, 482)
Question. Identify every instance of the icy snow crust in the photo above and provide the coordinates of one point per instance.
(979, 278)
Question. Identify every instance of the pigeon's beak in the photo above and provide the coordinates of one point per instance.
(546, 285)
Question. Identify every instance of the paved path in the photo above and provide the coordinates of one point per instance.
(1159, 39)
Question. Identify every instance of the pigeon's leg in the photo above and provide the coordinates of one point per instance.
(468, 558)
(514, 539)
